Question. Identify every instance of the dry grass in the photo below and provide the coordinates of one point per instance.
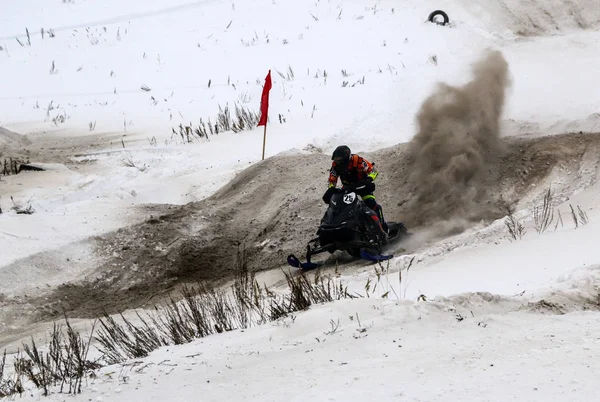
(245, 119)
(579, 216)
(516, 229)
(204, 311)
(64, 364)
(543, 216)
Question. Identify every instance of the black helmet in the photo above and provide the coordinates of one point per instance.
(341, 155)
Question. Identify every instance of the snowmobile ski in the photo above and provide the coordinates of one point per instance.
(375, 258)
(304, 266)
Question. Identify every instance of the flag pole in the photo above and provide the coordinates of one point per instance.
(264, 109)
(264, 141)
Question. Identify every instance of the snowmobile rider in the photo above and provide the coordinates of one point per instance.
(355, 171)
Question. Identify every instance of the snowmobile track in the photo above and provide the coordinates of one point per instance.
(271, 211)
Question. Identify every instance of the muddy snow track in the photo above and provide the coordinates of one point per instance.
(271, 209)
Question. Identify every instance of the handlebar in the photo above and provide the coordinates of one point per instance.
(349, 189)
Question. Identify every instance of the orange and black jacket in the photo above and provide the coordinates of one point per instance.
(358, 170)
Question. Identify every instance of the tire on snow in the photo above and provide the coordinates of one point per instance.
(435, 14)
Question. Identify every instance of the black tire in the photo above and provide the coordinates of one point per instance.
(435, 14)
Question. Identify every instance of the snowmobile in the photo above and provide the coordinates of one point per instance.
(350, 225)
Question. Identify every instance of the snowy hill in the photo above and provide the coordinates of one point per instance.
(126, 210)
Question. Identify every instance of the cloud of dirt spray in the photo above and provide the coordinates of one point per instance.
(459, 130)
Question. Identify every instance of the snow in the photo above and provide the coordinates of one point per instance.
(402, 349)
(377, 349)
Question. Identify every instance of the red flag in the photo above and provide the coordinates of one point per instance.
(264, 102)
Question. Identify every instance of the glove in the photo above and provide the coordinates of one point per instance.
(369, 187)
